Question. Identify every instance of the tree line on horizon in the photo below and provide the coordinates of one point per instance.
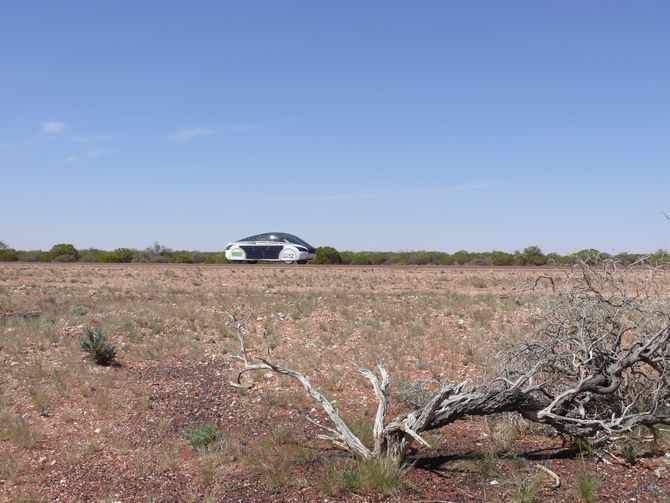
(157, 253)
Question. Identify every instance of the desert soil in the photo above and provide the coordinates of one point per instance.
(75, 431)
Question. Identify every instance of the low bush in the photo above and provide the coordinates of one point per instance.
(96, 344)
(587, 485)
(361, 476)
(110, 258)
(327, 255)
(91, 255)
(64, 258)
(60, 251)
(183, 258)
(202, 437)
(8, 256)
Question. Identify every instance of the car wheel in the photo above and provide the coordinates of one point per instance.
(288, 262)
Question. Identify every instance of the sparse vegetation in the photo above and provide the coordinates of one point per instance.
(157, 253)
(327, 255)
(361, 476)
(587, 485)
(202, 437)
(63, 252)
(169, 324)
(98, 346)
(630, 452)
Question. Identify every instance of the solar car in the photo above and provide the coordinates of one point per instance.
(271, 246)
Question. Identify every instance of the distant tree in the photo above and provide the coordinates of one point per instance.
(532, 255)
(183, 258)
(90, 255)
(7, 254)
(591, 256)
(327, 255)
(660, 257)
(502, 258)
(461, 257)
(628, 258)
(553, 258)
(154, 253)
(221, 258)
(126, 254)
(63, 250)
(362, 258)
(111, 258)
(480, 259)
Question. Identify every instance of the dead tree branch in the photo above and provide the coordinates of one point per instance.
(598, 366)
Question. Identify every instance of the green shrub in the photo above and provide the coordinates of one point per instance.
(327, 255)
(8, 256)
(532, 255)
(126, 254)
(96, 344)
(461, 257)
(61, 250)
(64, 258)
(628, 258)
(361, 258)
(590, 256)
(379, 476)
(202, 437)
(361, 427)
(587, 485)
(183, 258)
(631, 453)
(110, 258)
(502, 258)
(221, 258)
(90, 255)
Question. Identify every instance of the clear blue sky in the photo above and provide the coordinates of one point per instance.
(381, 125)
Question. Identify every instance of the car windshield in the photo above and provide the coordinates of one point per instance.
(277, 237)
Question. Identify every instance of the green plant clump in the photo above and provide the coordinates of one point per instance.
(631, 453)
(8, 256)
(63, 252)
(587, 486)
(365, 476)
(96, 344)
(327, 255)
(202, 437)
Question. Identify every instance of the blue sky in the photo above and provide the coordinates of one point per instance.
(379, 125)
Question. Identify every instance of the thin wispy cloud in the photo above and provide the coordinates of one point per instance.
(188, 134)
(88, 155)
(389, 193)
(53, 127)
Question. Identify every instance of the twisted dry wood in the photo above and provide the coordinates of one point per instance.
(598, 366)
